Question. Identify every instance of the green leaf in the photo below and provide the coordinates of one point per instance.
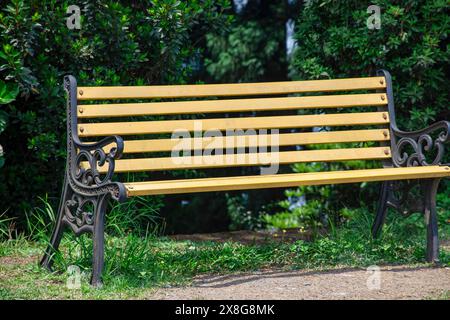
(8, 92)
(2, 159)
(3, 120)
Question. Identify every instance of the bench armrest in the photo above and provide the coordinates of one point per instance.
(83, 159)
(90, 156)
(115, 152)
(424, 150)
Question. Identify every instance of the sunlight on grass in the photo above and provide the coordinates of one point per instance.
(136, 265)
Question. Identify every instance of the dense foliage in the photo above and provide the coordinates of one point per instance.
(8, 92)
(334, 41)
(119, 42)
(254, 47)
(412, 43)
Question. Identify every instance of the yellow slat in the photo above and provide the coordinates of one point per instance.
(248, 159)
(284, 139)
(283, 180)
(279, 122)
(235, 105)
(233, 89)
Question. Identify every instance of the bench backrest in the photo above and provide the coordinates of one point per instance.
(325, 112)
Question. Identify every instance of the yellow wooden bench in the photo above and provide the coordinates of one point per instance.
(140, 122)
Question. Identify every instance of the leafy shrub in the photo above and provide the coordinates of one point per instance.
(246, 53)
(241, 215)
(334, 42)
(254, 47)
(120, 42)
(8, 93)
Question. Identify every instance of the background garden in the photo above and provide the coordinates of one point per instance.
(210, 41)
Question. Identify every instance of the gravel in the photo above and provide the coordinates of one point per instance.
(395, 282)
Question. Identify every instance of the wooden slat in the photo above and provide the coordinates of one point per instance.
(279, 122)
(248, 159)
(284, 139)
(234, 105)
(233, 89)
(283, 180)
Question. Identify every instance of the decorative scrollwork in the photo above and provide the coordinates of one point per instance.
(403, 199)
(425, 150)
(85, 159)
(79, 213)
(95, 157)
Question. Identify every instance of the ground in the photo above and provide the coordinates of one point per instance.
(397, 282)
(406, 281)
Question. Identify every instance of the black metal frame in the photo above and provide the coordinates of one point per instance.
(424, 147)
(86, 192)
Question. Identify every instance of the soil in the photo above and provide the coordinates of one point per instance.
(396, 282)
(250, 237)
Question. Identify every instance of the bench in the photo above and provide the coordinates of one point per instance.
(105, 124)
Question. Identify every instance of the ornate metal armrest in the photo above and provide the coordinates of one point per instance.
(422, 144)
(115, 152)
(89, 157)
(83, 159)
(95, 154)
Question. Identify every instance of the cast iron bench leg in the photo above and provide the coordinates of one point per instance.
(99, 240)
(382, 210)
(431, 186)
(55, 240)
(100, 203)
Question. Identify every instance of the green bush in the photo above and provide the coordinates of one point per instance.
(246, 54)
(253, 49)
(8, 93)
(120, 42)
(334, 42)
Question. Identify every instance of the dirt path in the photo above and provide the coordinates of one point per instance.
(397, 282)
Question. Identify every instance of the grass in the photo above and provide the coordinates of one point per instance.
(444, 296)
(137, 264)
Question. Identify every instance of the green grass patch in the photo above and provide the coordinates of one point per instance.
(136, 265)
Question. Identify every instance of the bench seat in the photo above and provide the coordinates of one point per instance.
(283, 180)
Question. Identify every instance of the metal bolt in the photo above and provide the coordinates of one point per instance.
(81, 110)
(381, 81)
(383, 97)
(386, 151)
(384, 116)
(130, 187)
(385, 133)
(81, 129)
(447, 168)
(80, 92)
